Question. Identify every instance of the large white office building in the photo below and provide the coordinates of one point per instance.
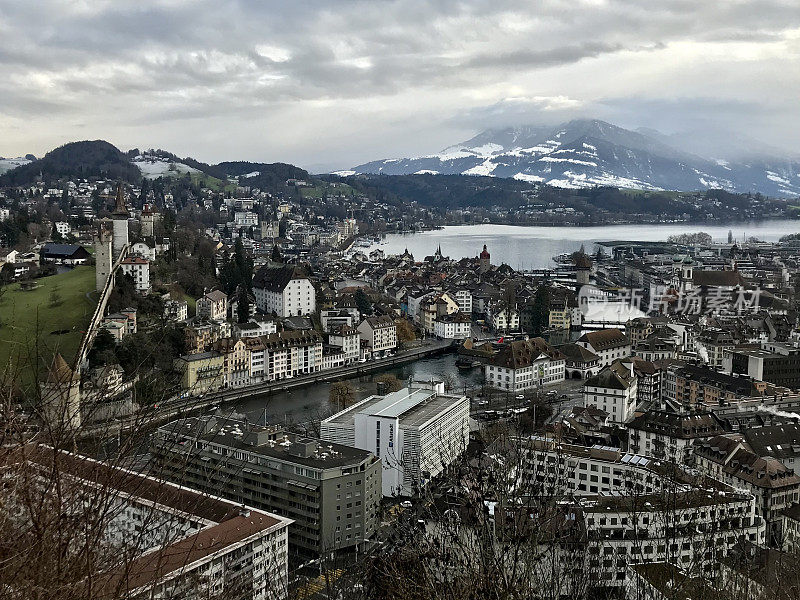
(415, 431)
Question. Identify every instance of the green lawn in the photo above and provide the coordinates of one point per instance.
(191, 304)
(213, 183)
(28, 318)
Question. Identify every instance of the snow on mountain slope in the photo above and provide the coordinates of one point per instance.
(153, 166)
(6, 164)
(586, 153)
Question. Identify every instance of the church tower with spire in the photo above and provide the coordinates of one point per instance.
(120, 218)
(484, 260)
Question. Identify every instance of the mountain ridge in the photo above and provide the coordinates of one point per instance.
(590, 152)
(101, 159)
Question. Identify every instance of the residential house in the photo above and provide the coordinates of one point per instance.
(379, 334)
(213, 305)
(613, 390)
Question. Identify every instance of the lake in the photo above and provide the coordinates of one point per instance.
(534, 247)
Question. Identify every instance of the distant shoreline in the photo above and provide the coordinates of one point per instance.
(720, 223)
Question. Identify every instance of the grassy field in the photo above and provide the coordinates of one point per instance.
(213, 183)
(28, 318)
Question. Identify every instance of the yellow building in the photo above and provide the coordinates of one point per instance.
(560, 317)
(202, 372)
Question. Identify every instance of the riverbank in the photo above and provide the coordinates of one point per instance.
(181, 407)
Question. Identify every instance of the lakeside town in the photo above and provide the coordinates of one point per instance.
(635, 417)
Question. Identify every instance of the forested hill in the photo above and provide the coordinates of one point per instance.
(96, 158)
(465, 192)
(265, 176)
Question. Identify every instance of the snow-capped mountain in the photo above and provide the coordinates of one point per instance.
(585, 153)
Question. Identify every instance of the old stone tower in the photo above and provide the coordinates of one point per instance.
(102, 253)
(61, 399)
(120, 217)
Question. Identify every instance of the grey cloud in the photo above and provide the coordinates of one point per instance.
(395, 64)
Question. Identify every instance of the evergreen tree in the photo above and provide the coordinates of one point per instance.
(276, 254)
(243, 306)
(169, 221)
(363, 303)
(539, 311)
(244, 265)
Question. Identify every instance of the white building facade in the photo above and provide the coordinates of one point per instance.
(415, 432)
(286, 291)
(139, 269)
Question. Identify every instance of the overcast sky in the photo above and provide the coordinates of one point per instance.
(332, 84)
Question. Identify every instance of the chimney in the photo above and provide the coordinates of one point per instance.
(244, 511)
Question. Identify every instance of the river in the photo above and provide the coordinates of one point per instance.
(312, 402)
(533, 247)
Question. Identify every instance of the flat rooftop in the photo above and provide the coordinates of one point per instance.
(412, 406)
(758, 353)
(289, 447)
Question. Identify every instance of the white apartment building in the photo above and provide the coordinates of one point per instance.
(775, 486)
(348, 340)
(253, 329)
(415, 432)
(464, 300)
(181, 543)
(456, 326)
(139, 269)
(257, 359)
(286, 291)
(639, 510)
(332, 358)
(503, 319)
(143, 250)
(380, 334)
(213, 306)
(63, 228)
(176, 310)
(244, 219)
(338, 317)
(414, 299)
(525, 364)
(292, 353)
(608, 344)
(613, 390)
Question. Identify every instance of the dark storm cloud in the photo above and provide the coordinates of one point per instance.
(394, 76)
